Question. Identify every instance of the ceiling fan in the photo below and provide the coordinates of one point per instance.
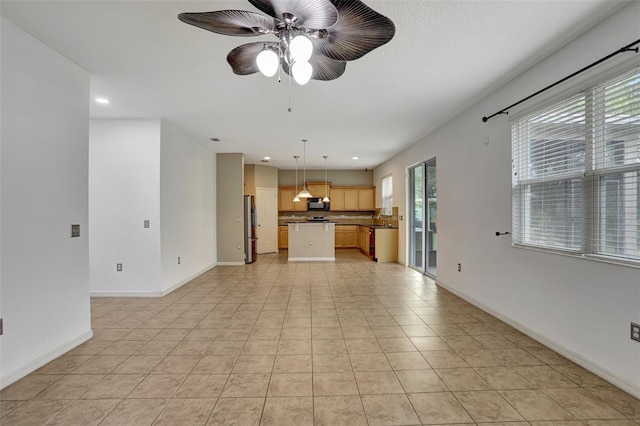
(316, 38)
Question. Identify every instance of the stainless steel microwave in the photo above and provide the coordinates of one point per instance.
(314, 204)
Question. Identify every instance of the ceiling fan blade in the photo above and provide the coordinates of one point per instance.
(324, 68)
(230, 22)
(309, 13)
(359, 30)
(243, 58)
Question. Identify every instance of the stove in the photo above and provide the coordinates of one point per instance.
(317, 219)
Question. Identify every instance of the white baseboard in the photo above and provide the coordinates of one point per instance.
(152, 293)
(231, 263)
(31, 366)
(311, 259)
(595, 368)
(186, 280)
(126, 294)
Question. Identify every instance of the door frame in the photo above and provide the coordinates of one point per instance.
(410, 212)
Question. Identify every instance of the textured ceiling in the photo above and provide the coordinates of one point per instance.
(445, 55)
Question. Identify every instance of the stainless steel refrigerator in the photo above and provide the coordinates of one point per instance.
(250, 224)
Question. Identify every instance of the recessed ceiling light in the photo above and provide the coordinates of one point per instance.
(102, 100)
(355, 158)
(267, 158)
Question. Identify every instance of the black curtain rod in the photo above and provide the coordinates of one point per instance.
(627, 48)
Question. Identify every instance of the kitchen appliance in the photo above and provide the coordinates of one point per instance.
(372, 244)
(250, 223)
(314, 204)
(318, 219)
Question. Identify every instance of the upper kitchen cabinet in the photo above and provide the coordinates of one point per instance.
(366, 198)
(337, 199)
(319, 190)
(352, 198)
(285, 200)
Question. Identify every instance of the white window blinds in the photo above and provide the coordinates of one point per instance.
(576, 172)
(387, 195)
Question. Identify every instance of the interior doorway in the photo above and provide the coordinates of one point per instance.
(423, 217)
(267, 218)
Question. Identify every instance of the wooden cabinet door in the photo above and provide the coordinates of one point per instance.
(285, 199)
(337, 199)
(350, 238)
(300, 206)
(366, 199)
(339, 237)
(317, 189)
(283, 237)
(351, 199)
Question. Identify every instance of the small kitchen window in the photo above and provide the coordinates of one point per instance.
(387, 195)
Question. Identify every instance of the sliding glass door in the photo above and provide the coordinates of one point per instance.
(423, 209)
(416, 210)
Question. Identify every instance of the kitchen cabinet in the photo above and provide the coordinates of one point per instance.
(366, 199)
(285, 200)
(337, 199)
(283, 237)
(351, 237)
(353, 198)
(363, 237)
(318, 190)
(347, 236)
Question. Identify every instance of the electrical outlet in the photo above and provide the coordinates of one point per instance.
(75, 231)
(178, 260)
(635, 332)
(119, 267)
(459, 267)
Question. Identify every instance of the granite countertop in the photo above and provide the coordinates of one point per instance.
(345, 224)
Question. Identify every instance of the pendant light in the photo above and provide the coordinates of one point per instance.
(326, 186)
(304, 193)
(296, 199)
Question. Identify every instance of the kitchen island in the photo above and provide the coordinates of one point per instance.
(311, 242)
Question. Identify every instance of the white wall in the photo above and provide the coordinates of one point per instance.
(582, 308)
(230, 208)
(336, 177)
(45, 272)
(187, 193)
(124, 191)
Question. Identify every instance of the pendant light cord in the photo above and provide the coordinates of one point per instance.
(304, 159)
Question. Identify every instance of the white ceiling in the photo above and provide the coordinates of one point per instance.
(445, 55)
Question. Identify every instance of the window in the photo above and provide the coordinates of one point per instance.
(576, 173)
(387, 195)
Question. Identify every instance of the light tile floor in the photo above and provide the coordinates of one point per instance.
(276, 343)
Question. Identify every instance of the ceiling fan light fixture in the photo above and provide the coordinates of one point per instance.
(302, 72)
(301, 48)
(268, 61)
(342, 30)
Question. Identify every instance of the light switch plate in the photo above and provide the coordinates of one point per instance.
(75, 231)
(1, 327)
(146, 223)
